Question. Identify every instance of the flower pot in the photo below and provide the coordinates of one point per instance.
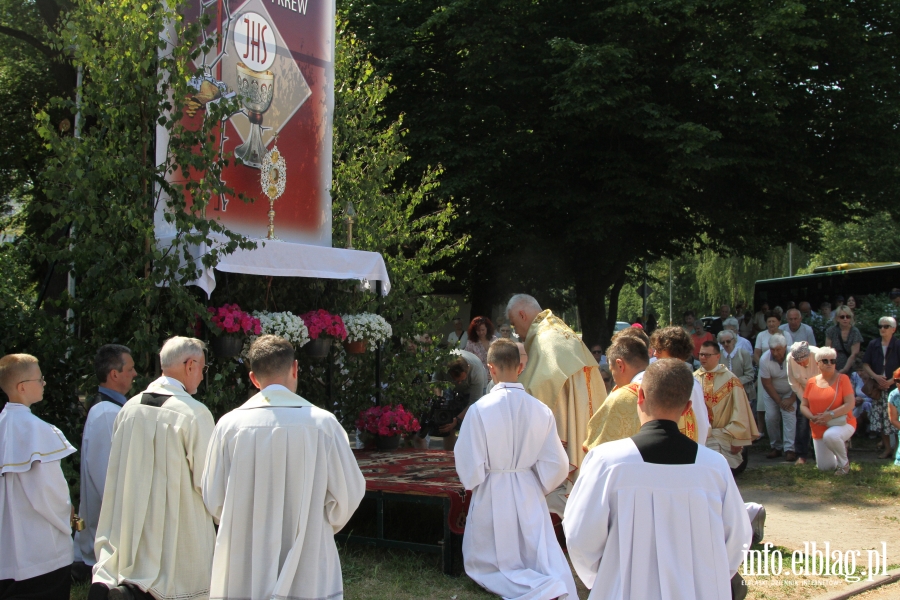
(355, 347)
(387, 443)
(227, 345)
(318, 348)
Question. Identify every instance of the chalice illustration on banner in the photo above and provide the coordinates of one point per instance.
(255, 89)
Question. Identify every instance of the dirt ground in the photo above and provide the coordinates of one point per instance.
(887, 592)
(794, 519)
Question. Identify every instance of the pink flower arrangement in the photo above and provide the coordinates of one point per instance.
(321, 322)
(387, 421)
(231, 319)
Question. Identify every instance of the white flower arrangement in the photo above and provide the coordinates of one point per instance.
(366, 327)
(285, 324)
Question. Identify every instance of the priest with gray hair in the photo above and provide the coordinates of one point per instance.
(155, 537)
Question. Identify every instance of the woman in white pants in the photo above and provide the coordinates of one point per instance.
(828, 404)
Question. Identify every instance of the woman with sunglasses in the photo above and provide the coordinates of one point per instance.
(894, 410)
(828, 404)
(881, 359)
(845, 338)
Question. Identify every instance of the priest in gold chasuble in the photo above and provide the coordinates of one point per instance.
(562, 373)
(732, 425)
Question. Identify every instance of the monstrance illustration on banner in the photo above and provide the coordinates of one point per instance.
(280, 67)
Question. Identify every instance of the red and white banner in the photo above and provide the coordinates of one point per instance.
(277, 58)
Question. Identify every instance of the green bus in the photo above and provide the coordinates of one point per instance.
(824, 284)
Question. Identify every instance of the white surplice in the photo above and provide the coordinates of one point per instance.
(651, 531)
(96, 443)
(282, 480)
(154, 530)
(510, 456)
(35, 533)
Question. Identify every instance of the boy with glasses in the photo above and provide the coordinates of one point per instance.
(35, 510)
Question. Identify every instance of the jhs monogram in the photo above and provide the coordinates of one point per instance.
(255, 43)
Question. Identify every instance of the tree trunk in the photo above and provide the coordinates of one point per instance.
(598, 300)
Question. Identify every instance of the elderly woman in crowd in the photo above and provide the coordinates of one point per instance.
(506, 332)
(881, 359)
(845, 338)
(740, 362)
(828, 404)
(894, 410)
(481, 336)
(743, 343)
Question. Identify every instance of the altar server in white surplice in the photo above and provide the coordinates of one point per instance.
(656, 515)
(35, 526)
(155, 537)
(510, 456)
(282, 480)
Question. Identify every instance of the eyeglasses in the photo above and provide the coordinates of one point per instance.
(897, 381)
(844, 317)
(596, 351)
(205, 367)
(708, 354)
(42, 380)
(828, 361)
(885, 326)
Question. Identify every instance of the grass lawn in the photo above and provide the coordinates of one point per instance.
(869, 483)
(376, 574)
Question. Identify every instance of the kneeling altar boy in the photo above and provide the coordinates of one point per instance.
(510, 455)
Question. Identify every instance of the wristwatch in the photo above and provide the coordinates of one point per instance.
(831, 412)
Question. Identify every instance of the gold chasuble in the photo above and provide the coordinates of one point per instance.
(616, 419)
(731, 422)
(562, 373)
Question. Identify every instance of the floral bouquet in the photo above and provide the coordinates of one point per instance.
(284, 324)
(387, 421)
(229, 318)
(367, 327)
(321, 322)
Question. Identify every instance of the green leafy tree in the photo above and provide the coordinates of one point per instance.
(584, 138)
(100, 189)
(874, 238)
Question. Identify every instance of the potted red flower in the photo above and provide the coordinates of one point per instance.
(387, 424)
(230, 326)
(324, 328)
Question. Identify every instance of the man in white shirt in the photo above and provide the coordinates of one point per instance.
(114, 368)
(459, 336)
(797, 329)
(635, 497)
(775, 391)
(277, 524)
(35, 511)
(155, 537)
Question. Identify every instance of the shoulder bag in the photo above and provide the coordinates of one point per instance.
(837, 421)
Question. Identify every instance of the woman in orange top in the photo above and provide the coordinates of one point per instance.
(827, 396)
